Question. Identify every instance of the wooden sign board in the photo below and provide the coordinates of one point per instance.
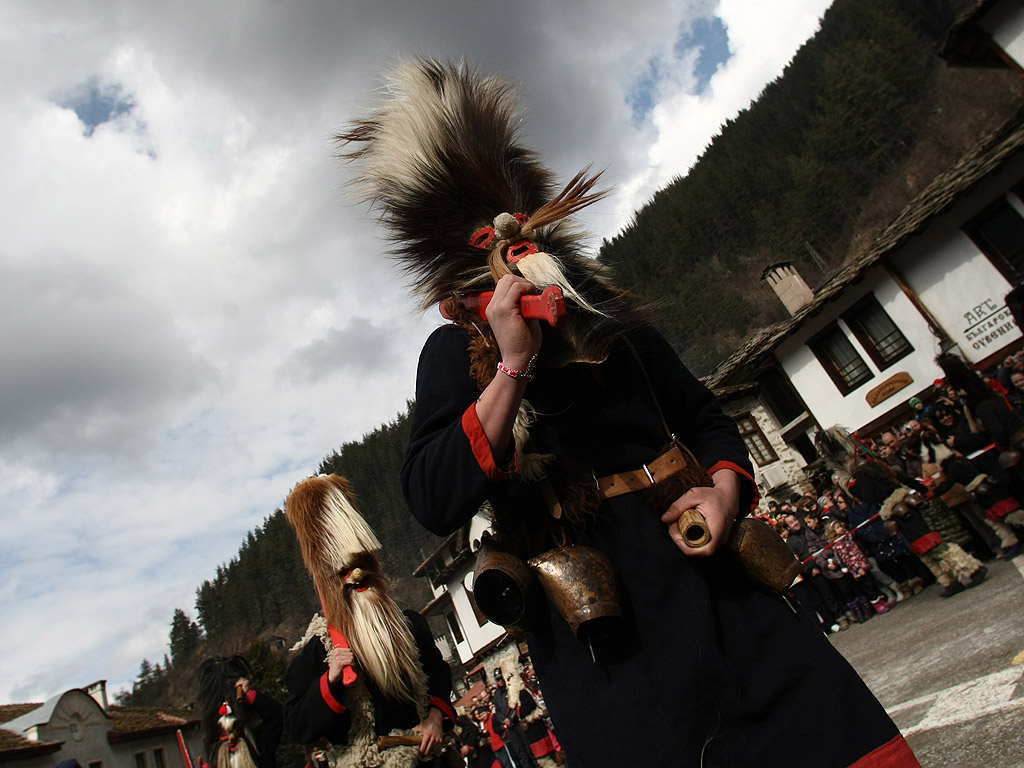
(888, 388)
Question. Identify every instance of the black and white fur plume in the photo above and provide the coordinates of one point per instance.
(440, 160)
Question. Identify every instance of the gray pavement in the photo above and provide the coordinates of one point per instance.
(950, 672)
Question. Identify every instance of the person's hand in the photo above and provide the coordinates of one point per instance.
(518, 339)
(719, 504)
(340, 658)
(431, 731)
(241, 688)
(815, 571)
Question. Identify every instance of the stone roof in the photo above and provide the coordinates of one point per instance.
(15, 746)
(991, 152)
(968, 45)
(138, 722)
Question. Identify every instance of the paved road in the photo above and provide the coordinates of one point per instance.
(951, 672)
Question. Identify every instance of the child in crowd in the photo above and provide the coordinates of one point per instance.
(854, 560)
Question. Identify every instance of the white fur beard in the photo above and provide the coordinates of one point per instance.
(384, 646)
(543, 269)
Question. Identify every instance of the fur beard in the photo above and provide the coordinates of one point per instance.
(383, 644)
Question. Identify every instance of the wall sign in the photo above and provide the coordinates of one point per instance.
(888, 388)
(987, 322)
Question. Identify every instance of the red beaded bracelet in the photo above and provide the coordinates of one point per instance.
(526, 374)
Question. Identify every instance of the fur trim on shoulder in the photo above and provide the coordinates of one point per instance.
(317, 628)
(894, 498)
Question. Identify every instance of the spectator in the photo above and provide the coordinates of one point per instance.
(812, 592)
(837, 575)
(859, 567)
(1016, 394)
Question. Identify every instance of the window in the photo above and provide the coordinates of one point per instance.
(140, 760)
(158, 758)
(758, 447)
(780, 396)
(453, 625)
(877, 333)
(999, 232)
(96, 764)
(839, 359)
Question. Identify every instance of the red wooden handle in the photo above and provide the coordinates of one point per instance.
(348, 673)
(548, 305)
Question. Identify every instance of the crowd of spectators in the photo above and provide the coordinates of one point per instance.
(958, 454)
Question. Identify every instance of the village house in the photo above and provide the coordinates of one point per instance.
(80, 726)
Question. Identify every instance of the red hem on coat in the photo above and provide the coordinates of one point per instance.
(1001, 509)
(926, 543)
(481, 446)
(893, 754)
(542, 747)
(329, 700)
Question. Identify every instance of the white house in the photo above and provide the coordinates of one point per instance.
(80, 725)
(934, 281)
(470, 638)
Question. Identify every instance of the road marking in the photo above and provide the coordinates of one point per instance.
(962, 703)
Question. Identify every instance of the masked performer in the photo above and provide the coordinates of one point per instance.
(241, 726)
(560, 429)
(402, 686)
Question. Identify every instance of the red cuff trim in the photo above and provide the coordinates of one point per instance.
(743, 473)
(325, 691)
(250, 695)
(481, 446)
(444, 706)
(893, 754)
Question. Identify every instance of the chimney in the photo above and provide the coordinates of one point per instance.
(788, 286)
(98, 691)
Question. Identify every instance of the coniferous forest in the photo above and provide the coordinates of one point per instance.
(863, 117)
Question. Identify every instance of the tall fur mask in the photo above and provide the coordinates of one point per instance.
(465, 202)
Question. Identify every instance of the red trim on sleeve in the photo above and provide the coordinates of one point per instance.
(325, 691)
(444, 706)
(250, 695)
(742, 473)
(481, 446)
(893, 754)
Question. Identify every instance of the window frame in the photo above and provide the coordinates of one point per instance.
(1011, 264)
(853, 320)
(754, 429)
(816, 344)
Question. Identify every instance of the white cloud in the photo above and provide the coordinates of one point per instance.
(193, 315)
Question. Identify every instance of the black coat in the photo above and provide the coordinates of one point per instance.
(309, 716)
(704, 663)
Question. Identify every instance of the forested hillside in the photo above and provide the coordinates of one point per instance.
(864, 115)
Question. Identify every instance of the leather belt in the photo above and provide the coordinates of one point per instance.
(670, 463)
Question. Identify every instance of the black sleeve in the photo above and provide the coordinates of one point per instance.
(442, 478)
(439, 674)
(308, 715)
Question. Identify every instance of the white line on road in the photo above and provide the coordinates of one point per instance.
(964, 702)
